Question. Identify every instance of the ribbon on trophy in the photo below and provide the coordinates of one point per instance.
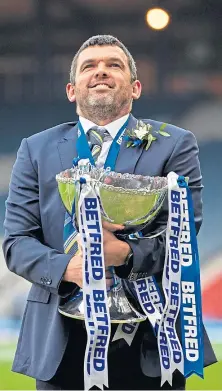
(191, 308)
(173, 358)
(181, 282)
(181, 287)
(97, 318)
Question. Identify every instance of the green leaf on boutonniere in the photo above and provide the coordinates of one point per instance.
(150, 139)
(162, 127)
(161, 130)
(165, 134)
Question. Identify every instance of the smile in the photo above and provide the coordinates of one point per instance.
(102, 85)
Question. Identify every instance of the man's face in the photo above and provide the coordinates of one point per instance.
(103, 83)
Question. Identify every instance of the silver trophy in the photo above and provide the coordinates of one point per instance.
(130, 200)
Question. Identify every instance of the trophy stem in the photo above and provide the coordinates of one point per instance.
(121, 311)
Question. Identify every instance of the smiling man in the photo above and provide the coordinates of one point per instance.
(103, 85)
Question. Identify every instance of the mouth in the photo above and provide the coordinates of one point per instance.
(100, 86)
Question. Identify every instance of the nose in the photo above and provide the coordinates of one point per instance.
(101, 70)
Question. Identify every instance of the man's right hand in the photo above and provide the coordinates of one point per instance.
(73, 271)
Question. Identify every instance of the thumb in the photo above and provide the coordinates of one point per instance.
(112, 227)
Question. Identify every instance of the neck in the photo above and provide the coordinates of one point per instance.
(103, 122)
(103, 119)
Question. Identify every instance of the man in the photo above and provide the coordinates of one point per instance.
(103, 84)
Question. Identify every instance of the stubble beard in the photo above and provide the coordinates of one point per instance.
(102, 108)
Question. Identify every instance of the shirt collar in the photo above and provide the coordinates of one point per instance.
(113, 127)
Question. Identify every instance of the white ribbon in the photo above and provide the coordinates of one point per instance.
(97, 318)
(155, 295)
(126, 331)
(172, 282)
(142, 290)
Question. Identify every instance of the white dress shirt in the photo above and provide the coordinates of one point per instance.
(112, 128)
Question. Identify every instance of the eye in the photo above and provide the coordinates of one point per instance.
(87, 66)
(115, 65)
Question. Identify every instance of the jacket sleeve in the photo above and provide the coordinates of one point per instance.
(149, 254)
(23, 245)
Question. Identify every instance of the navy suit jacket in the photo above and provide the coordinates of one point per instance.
(33, 243)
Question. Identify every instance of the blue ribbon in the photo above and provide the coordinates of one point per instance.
(191, 274)
(135, 141)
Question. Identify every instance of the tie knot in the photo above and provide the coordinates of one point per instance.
(98, 134)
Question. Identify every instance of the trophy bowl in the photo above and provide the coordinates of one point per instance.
(130, 200)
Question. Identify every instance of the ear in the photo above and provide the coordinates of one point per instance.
(137, 89)
(70, 92)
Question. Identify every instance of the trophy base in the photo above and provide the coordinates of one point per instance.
(121, 311)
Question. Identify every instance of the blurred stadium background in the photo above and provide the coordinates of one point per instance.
(180, 69)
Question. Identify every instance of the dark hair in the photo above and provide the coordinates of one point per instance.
(103, 40)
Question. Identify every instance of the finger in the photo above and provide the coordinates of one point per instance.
(112, 227)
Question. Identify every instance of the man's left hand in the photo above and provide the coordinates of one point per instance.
(115, 250)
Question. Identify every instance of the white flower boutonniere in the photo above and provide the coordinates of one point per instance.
(143, 135)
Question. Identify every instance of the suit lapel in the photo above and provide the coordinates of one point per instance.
(67, 147)
(128, 157)
(126, 160)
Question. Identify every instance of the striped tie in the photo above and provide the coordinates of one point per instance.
(96, 136)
